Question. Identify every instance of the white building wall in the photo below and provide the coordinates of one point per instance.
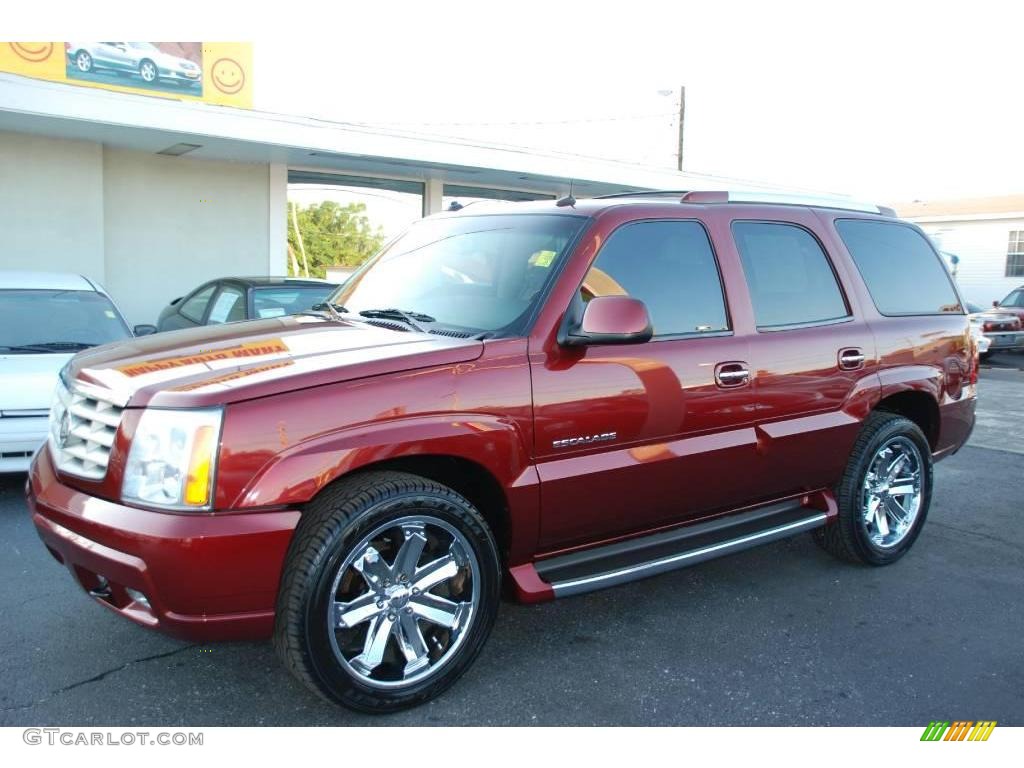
(171, 223)
(51, 205)
(981, 246)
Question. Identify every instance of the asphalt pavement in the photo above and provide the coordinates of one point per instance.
(780, 635)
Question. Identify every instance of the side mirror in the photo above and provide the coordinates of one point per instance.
(995, 303)
(611, 320)
(144, 330)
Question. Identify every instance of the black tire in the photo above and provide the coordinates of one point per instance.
(847, 537)
(985, 355)
(333, 524)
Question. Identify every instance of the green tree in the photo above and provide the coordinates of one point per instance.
(330, 235)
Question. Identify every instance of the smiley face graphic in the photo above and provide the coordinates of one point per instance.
(227, 76)
(33, 51)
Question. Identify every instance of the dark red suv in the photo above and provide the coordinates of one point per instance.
(557, 397)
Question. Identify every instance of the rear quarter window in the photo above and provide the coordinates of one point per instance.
(903, 273)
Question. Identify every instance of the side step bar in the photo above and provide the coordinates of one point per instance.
(624, 561)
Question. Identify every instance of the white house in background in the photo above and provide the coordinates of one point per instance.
(985, 233)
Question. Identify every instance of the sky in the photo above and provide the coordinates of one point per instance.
(885, 101)
(893, 102)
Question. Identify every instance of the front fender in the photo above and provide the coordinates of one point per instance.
(297, 474)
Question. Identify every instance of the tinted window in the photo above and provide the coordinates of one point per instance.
(287, 300)
(1015, 299)
(195, 307)
(228, 307)
(790, 279)
(30, 317)
(902, 272)
(668, 265)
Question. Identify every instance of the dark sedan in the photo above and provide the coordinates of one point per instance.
(228, 299)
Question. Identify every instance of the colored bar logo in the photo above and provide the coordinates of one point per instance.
(961, 730)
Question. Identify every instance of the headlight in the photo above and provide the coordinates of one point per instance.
(173, 458)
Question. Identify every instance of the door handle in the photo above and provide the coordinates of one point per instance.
(731, 375)
(851, 358)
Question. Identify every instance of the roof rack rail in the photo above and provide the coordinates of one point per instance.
(646, 193)
(785, 198)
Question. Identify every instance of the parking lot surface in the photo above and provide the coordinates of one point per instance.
(780, 635)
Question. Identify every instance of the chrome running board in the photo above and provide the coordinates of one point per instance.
(638, 558)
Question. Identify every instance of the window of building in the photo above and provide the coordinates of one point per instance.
(1015, 254)
(195, 307)
(790, 278)
(669, 265)
(463, 195)
(340, 220)
(903, 273)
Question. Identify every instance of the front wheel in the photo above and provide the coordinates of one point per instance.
(148, 71)
(83, 61)
(884, 495)
(390, 589)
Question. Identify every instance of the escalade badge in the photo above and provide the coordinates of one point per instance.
(575, 442)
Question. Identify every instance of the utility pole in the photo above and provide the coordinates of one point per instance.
(682, 120)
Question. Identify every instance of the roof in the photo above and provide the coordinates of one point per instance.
(593, 205)
(149, 124)
(254, 280)
(995, 206)
(45, 281)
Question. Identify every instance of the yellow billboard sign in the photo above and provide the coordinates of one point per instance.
(217, 73)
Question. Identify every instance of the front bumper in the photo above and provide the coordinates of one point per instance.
(204, 576)
(20, 438)
(185, 76)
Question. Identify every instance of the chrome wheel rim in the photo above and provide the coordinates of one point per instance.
(892, 492)
(83, 62)
(148, 72)
(402, 602)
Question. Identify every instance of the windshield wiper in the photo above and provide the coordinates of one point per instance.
(48, 346)
(335, 310)
(410, 318)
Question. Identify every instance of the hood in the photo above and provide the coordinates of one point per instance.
(239, 361)
(29, 380)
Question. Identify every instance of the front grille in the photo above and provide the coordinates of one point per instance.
(82, 429)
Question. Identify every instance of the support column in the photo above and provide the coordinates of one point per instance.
(277, 224)
(433, 193)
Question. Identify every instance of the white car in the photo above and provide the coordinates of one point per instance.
(45, 318)
(144, 60)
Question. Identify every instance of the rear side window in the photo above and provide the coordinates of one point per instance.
(790, 279)
(903, 273)
(670, 267)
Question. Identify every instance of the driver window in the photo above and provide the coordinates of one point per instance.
(668, 265)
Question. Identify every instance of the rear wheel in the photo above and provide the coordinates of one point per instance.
(884, 495)
(390, 590)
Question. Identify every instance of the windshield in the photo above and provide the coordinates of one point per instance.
(287, 300)
(69, 318)
(472, 273)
